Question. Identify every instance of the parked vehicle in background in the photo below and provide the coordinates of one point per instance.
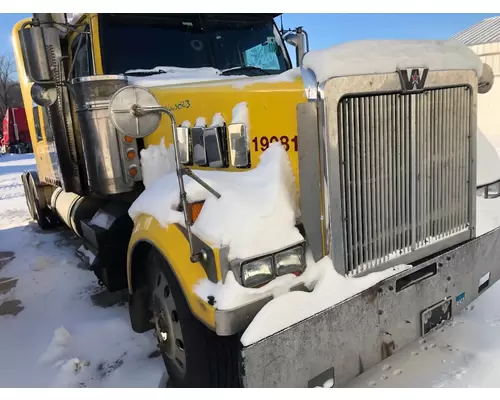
(15, 132)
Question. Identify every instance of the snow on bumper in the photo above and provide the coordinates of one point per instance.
(341, 342)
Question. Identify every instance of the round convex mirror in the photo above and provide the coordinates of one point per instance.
(43, 95)
(132, 111)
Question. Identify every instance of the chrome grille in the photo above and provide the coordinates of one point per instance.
(404, 169)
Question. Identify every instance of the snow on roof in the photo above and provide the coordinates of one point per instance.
(485, 31)
(384, 56)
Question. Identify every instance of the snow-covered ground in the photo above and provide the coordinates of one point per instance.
(60, 337)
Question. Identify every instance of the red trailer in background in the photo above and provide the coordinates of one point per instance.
(16, 134)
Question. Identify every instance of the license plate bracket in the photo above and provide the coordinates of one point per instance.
(434, 316)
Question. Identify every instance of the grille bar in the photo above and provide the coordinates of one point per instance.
(404, 166)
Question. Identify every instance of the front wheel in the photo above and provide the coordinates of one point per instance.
(194, 355)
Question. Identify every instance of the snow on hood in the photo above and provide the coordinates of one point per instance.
(263, 200)
(177, 75)
(384, 56)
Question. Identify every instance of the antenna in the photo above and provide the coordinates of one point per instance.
(281, 19)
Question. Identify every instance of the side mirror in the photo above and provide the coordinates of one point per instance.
(34, 54)
(299, 39)
(135, 112)
(485, 82)
(44, 95)
(292, 39)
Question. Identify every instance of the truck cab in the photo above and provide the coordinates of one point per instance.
(213, 180)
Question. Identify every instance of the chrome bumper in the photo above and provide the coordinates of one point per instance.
(343, 341)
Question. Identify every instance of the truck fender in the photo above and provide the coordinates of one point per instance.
(172, 243)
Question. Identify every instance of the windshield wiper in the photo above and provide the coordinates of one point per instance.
(146, 73)
(245, 68)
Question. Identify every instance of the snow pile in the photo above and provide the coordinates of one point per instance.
(82, 250)
(175, 76)
(102, 220)
(80, 359)
(217, 121)
(60, 337)
(287, 76)
(329, 289)
(384, 56)
(156, 161)
(264, 200)
(240, 115)
(487, 215)
(57, 347)
(232, 295)
(488, 171)
(200, 122)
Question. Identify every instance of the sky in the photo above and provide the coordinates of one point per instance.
(328, 29)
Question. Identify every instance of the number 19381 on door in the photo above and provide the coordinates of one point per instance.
(263, 142)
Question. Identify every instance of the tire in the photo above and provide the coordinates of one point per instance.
(194, 355)
(42, 216)
(28, 197)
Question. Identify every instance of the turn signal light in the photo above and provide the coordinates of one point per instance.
(194, 210)
(128, 139)
(132, 171)
(131, 154)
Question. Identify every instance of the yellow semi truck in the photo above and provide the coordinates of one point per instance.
(379, 142)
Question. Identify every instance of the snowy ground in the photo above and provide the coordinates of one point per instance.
(53, 300)
(52, 332)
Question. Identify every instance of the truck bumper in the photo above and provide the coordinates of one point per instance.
(343, 341)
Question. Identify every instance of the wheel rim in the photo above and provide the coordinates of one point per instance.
(167, 325)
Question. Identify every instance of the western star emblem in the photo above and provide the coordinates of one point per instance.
(413, 79)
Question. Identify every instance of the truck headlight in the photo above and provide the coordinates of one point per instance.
(257, 272)
(239, 151)
(291, 261)
(490, 191)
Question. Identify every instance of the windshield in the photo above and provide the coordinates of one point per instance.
(247, 44)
